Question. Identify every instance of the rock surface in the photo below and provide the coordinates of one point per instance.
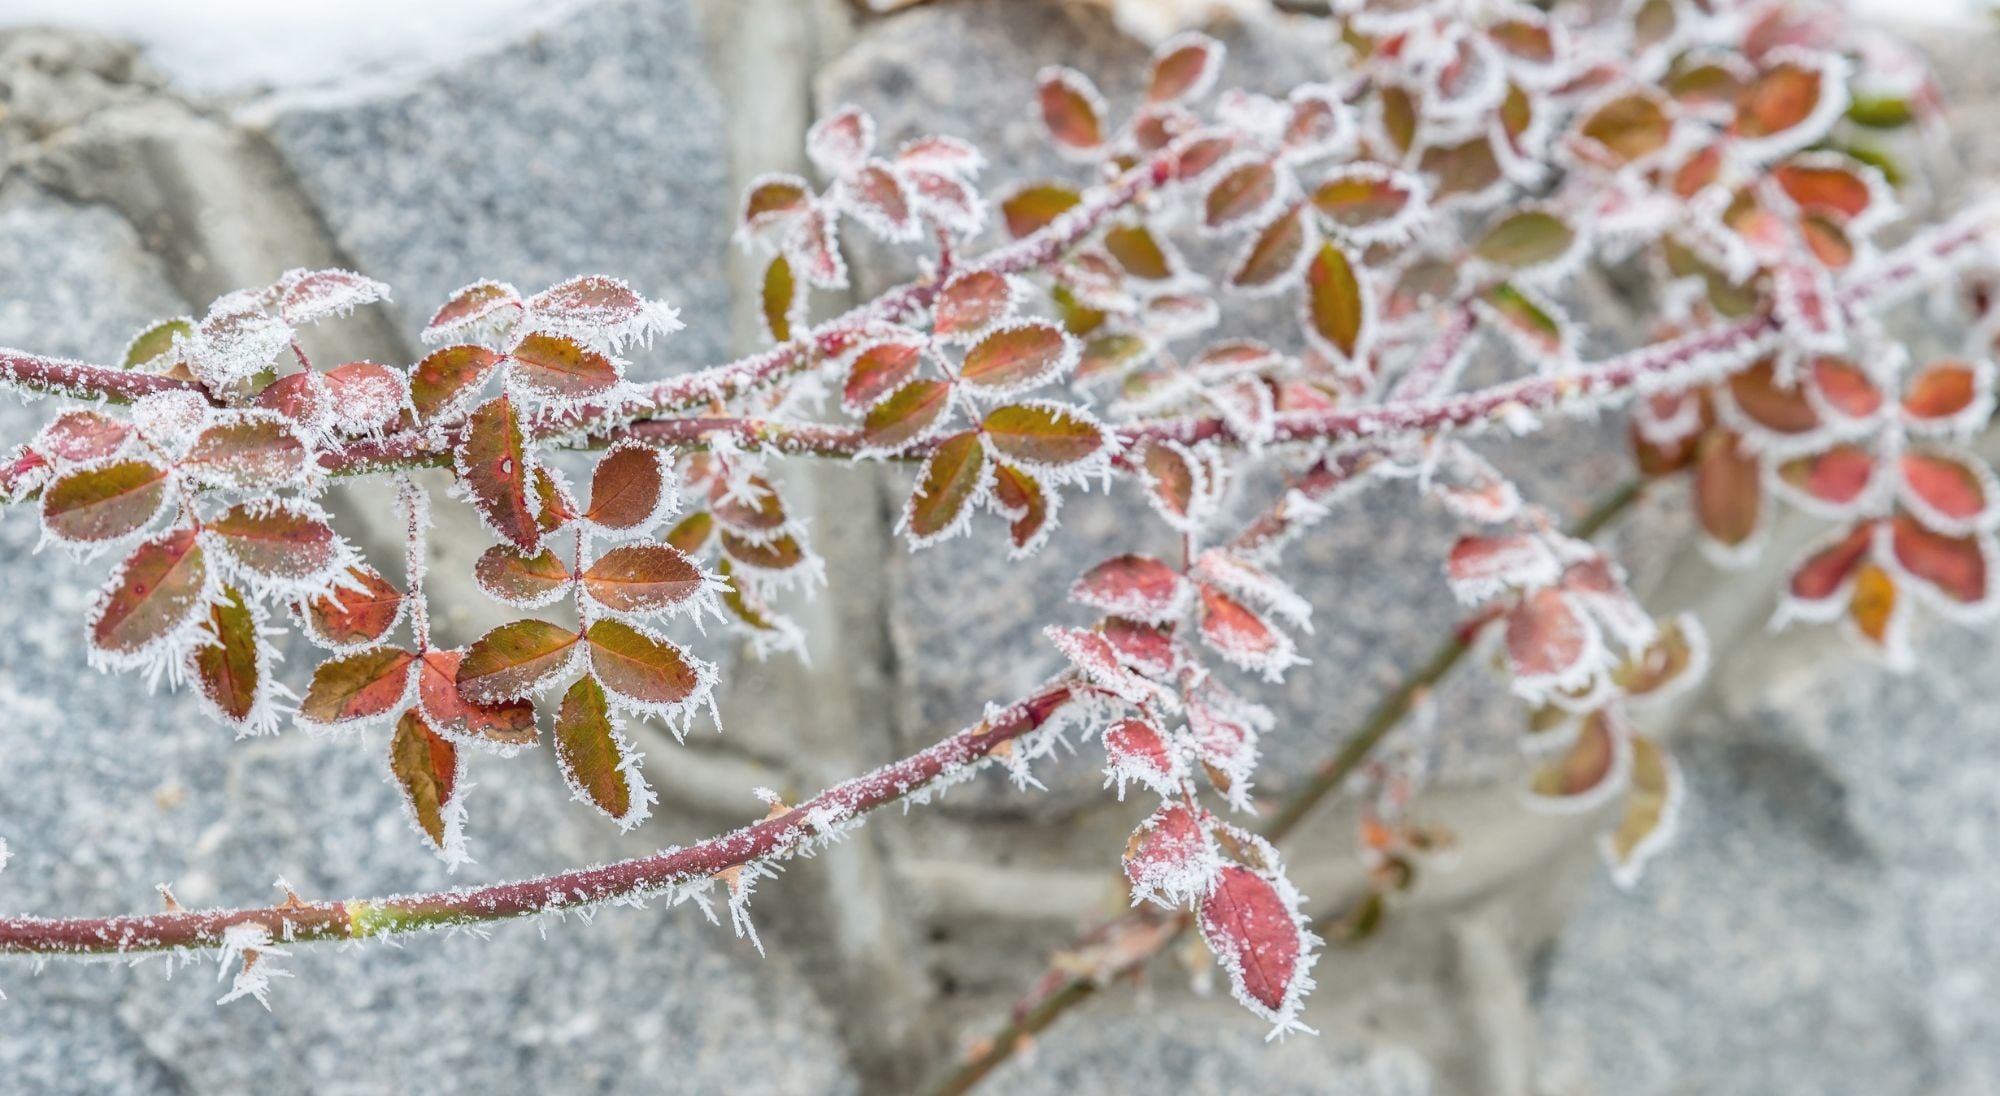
(595, 146)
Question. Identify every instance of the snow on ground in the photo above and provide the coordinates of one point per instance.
(235, 46)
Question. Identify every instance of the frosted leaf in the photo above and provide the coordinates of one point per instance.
(236, 341)
(1099, 663)
(1139, 751)
(1136, 587)
(1652, 813)
(1243, 638)
(1254, 585)
(1483, 567)
(1252, 922)
(601, 312)
(484, 308)
(1224, 730)
(840, 142)
(309, 296)
(1170, 859)
(170, 420)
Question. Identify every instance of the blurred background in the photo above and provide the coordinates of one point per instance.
(1823, 923)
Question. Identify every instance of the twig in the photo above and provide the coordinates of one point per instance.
(1076, 988)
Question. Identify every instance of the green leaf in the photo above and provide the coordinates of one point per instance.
(514, 660)
(425, 765)
(639, 667)
(946, 486)
(104, 503)
(588, 750)
(1043, 434)
(1526, 239)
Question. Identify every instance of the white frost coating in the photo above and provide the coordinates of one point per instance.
(840, 141)
(250, 944)
(1255, 586)
(1175, 873)
(488, 322)
(630, 762)
(309, 296)
(1497, 565)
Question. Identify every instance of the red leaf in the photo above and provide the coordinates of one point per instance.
(591, 754)
(1240, 194)
(1170, 858)
(591, 301)
(775, 199)
(514, 660)
(364, 396)
(1482, 566)
(779, 555)
(1943, 390)
(280, 541)
(1846, 387)
(1780, 99)
(906, 416)
(1139, 587)
(448, 378)
(1956, 566)
(1018, 356)
(839, 142)
(493, 463)
(1546, 636)
(1146, 648)
(628, 489)
(105, 502)
(877, 196)
(642, 578)
(1275, 253)
(468, 307)
(227, 670)
(425, 766)
(1825, 188)
(639, 667)
(310, 296)
(1837, 476)
(246, 453)
(1184, 67)
(1025, 502)
(509, 724)
(880, 370)
(1137, 750)
(951, 477)
(558, 368)
(359, 686)
(1728, 490)
(1043, 435)
(1943, 486)
(1823, 573)
(1241, 636)
(1250, 928)
(970, 303)
(77, 436)
(154, 593)
(520, 580)
(1072, 110)
(352, 616)
(1171, 480)
(1583, 776)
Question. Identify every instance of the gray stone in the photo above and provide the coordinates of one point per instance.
(106, 790)
(593, 147)
(1194, 1046)
(1823, 922)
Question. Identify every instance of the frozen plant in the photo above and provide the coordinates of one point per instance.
(1431, 202)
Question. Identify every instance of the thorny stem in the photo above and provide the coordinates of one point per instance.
(775, 837)
(1075, 988)
(62, 377)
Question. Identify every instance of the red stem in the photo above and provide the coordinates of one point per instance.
(773, 837)
(62, 377)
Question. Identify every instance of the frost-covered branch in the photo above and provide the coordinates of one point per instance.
(675, 872)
